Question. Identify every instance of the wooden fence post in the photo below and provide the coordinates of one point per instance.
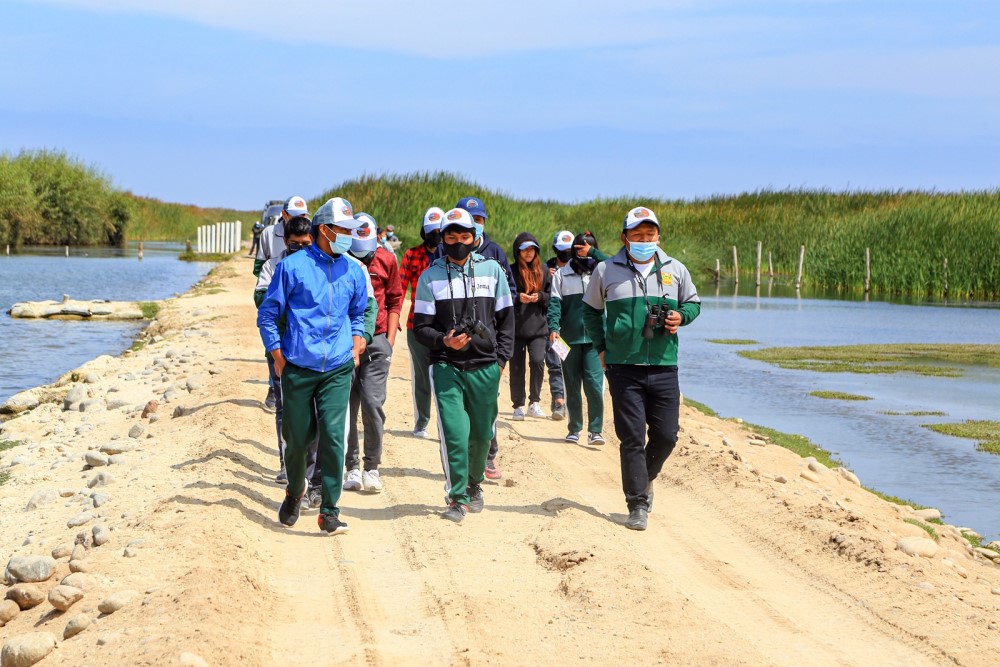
(718, 271)
(946, 276)
(802, 256)
(868, 270)
(758, 263)
(770, 266)
(736, 267)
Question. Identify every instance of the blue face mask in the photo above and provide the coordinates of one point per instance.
(479, 230)
(642, 251)
(339, 244)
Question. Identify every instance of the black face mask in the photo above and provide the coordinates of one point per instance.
(564, 255)
(457, 251)
(583, 264)
(432, 239)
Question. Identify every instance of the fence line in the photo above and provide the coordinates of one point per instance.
(221, 237)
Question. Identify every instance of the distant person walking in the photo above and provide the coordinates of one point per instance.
(582, 366)
(257, 229)
(415, 262)
(323, 295)
(562, 246)
(643, 296)
(368, 390)
(531, 329)
(464, 315)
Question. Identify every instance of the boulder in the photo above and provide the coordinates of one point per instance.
(63, 597)
(917, 546)
(30, 569)
(19, 402)
(26, 595)
(26, 650)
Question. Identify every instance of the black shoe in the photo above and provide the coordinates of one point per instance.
(282, 477)
(331, 524)
(270, 402)
(315, 497)
(475, 498)
(455, 512)
(558, 412)
(288, 513)
(649, 496)
(636, 519)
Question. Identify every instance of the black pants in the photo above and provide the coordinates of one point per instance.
(535, 348)
(641, 396)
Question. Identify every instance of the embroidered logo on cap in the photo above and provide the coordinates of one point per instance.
(434, 217)
(641, 212)
(346, 210)
(472, 203)
(455, 215)
(365, 229)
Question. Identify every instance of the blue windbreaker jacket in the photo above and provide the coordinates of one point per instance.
(324, 300)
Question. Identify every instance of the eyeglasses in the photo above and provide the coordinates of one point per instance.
(295, 246)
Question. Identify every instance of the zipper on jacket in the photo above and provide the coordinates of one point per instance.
(326, 332)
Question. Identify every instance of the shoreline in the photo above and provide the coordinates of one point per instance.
(747, 525)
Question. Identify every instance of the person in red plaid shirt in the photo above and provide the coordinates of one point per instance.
(415, 261)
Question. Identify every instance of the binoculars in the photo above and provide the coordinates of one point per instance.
(656, 320)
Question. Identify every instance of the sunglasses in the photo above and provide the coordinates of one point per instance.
(295, 246)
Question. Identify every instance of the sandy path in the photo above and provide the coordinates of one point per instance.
(736, 568)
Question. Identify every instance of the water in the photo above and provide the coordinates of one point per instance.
(37, 352)
(893, 454)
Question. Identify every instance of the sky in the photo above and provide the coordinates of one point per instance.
(226, 103)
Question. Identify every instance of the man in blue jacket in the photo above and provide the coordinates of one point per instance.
(323, 294)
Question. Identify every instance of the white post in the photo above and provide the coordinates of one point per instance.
(201, 239)
(211, 239)
(239, 236)
(67, 251)
(232, 237)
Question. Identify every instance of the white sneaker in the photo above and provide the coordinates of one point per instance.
(595, 439)
(372, 481)
(518, 415)
(353, 480)
(535, 410)
(420, 433)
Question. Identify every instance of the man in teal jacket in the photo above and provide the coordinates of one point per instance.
(633, 306)
(323, 294)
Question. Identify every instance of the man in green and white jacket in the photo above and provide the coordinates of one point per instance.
(644, 296)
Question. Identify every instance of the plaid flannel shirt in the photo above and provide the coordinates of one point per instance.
(415, 261)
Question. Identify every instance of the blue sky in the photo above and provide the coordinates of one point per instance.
(232, 103)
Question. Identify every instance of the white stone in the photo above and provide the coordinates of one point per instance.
(917, 546)
(116, 601)
(849, 476)
(26, 650)
(63, 597)
(809, 475)
(30, 569)
(928, 513)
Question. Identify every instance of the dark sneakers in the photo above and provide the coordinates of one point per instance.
(558, 412)
(315, 497)
(331, 525)
(476, 502)
(288, 513)
(649, 496)
(455, 512)
(637, 519)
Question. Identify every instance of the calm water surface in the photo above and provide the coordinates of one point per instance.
(894, 454)
(39, 351)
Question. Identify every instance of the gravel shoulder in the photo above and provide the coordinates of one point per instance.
(165, 526)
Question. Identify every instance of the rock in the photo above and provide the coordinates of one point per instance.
(192, 385)
(116, 601)
(137, 542)
(118, 403)
(98, 499)
(62, 551)
(19, 402)
(79, 551)
(130, 552)
(987, 553)
(810, 475)
(79, 565)
(192, 660)
(40, 498)
(136, 431)
(8, 610)
(18, 460)
(26, 650)
(925, 586)
(78, 580)
(928, 513)
(726, 442)
(169, 395)
(92, 378)
(80, 519)
(780, 479)
(995, 591)
(101, 479)
(63, 597)
(179, 411)
(101, 535)
(26, 595)
(849, 476)
(77, 624)
(995, 544)
(96, 459)
(106, 638)
(116, 460)
(92, 405)
(154, 418)
(757, 442)
(917, 546)
(818, 468)
(118, 448)
(30, 569)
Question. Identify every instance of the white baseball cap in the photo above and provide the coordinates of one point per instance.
(457, 217)
(639, 215)
(295, 206)
(336, 211)
(563, 240)
(364, 237)
(432, 219)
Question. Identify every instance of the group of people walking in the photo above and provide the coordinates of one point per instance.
(329, 298)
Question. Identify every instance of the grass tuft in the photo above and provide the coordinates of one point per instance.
(149, 309)
(10, 444)
(700, 407)
(733, 341)
(934, 360)
(799, 444)
(925, 526)
(985, 431)
(915, 413)
(839, 396)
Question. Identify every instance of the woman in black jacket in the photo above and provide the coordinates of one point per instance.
(531, 327)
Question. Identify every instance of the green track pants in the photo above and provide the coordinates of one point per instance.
(467, 409)
(332, 392)
(582, 366)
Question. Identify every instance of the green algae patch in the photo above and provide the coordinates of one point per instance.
(921, 359)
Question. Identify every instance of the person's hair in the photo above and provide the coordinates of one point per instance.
(531, 272)
(585, 237)
(298, 226)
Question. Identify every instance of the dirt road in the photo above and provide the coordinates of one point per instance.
(745, 561)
